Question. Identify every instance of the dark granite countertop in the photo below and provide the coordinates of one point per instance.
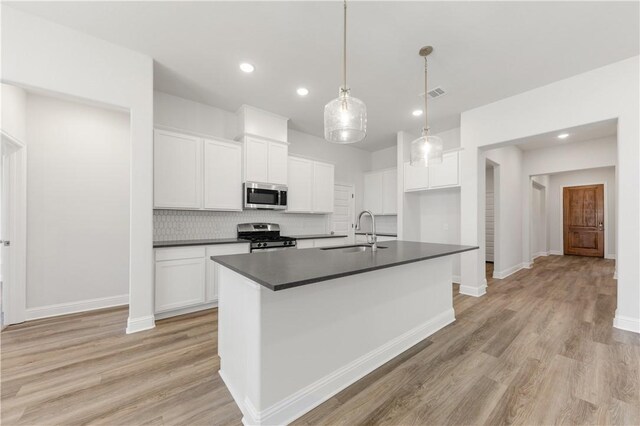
(209, 242)
(379, 234)
(316, 236)
(279, 270)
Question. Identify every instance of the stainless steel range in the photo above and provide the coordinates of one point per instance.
(265, 236)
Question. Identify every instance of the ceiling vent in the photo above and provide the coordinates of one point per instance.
(436, 92)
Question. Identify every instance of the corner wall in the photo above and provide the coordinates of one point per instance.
(39, 54)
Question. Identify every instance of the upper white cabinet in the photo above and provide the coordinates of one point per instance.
(177, 171)
(310, 185)
(196, 173)
(300, 186)
(443, 175)
(265, 161)
(222, 175)
(323, 186)
(380, 192)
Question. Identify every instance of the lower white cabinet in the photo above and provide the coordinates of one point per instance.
(180, 274)
(362, 239)
(211, 293)
(185, 277)
(321, 242)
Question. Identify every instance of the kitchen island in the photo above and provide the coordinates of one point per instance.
(297, 326)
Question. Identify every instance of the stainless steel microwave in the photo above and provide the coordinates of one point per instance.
(264, 196)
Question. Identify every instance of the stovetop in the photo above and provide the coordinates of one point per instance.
(264, 235)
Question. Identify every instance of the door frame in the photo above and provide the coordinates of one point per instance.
(606, 215)
(534, 254)
(497, 219)
(352, 234)
(14, 175)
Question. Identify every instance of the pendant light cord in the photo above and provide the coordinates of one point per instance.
(426, 125)
(344, 50)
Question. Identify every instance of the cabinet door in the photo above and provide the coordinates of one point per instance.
(415, 178)
(256, 153)
(373, 192)
(179, 283)
(222, 176)
(299, 195)
(323, 185)
(177, 170)
(445, 174)
(389, 191)
(277, 163)
(304, 244)
(211, 293)
(330, 242)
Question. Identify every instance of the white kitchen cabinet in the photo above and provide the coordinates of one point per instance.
(222, 175)
(177, 172)
(362, 239)
(211, 292)
(300, 186)
(443, 175)
(265, 161)
(323, 187)
(380, 192)
(322, 242)
(415, 178)
(311, 186)
(179, 278)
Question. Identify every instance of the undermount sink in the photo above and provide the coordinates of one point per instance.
(352, 249)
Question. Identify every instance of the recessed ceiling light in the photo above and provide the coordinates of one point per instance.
(247, 67)
(563, 135)
(417, 113)
(302, 91)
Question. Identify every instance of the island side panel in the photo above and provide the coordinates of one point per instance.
(238, 336)
(319, 338)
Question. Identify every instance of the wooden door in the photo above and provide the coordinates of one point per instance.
(583, 209)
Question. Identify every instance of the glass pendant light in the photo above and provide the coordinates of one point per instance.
(345, 118)
(427, 149)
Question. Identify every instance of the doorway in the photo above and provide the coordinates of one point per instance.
(12, 231)
(583, 220)
(342, 219)
(490, 220)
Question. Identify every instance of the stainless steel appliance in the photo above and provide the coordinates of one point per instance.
(265, 236)
(264, 196)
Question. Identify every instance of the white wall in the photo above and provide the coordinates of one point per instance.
(508, 235)
(13, 104)
(40, 54)
(601, 94)
(384, 158)
(78, 198)
(182, 114)
(605, 175)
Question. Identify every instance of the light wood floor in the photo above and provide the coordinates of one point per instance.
(539, 348)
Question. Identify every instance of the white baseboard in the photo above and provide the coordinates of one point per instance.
(510, 271)
(75, 307)
(615, 274)
(540, 254)
(610, 256)
(555, 253)
(306, 399)
(456, 279)
(135, 325)
(474, 291)
(626, 323)
(188, 310)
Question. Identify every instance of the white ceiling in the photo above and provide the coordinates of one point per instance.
(591, 131)
(484, 51)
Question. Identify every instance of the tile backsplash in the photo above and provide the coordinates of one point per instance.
(386, 224)
(171, 225)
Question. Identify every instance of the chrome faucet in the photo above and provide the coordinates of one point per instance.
(374, 238)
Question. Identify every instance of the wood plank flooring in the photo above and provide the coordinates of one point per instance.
(539, 348)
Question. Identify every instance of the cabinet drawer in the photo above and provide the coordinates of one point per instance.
(175, 253)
